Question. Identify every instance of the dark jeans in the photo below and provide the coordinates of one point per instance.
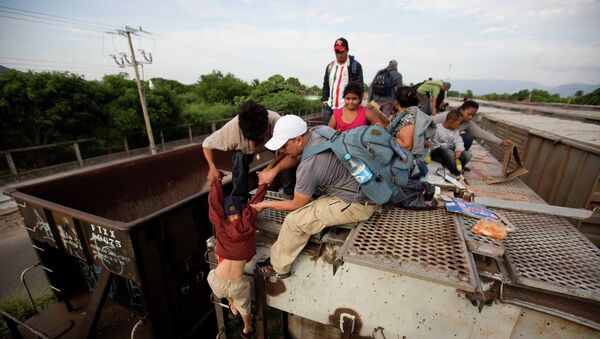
(421, 169)
(327, 113)
(240, 166)
(290, 183)
(467, 139)
(425, 103)
(446, 157)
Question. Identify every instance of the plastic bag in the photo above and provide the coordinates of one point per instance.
(415, 195)
(491, 228)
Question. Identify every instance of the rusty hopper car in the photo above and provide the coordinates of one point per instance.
(123, 245)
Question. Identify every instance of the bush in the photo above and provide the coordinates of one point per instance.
(202, 113)
(18, 306)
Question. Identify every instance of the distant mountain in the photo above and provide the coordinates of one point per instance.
(3, 69)
(485, 86)
(569, 89)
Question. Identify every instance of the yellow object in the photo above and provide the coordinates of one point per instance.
(427, 158)
(458, 165)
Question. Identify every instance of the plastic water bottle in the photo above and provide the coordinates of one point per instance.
(359, 170)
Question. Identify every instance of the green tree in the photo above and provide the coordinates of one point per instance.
(125, 111)
(278, 94)
(469, 94)
(589, 99)
(47, 107)
(295, 83)
(314, 90)
(219, 88)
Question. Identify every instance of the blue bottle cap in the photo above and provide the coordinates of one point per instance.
(347, 157)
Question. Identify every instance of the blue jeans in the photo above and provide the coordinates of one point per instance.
(446, 157)
(327, 113)
(467, 139)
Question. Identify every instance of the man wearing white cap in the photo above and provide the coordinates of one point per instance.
(339, 205)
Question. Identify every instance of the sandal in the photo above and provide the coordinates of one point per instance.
(248, 335)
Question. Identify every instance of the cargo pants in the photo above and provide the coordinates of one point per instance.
(310, 219)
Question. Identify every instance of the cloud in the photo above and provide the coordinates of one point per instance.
(500, 29)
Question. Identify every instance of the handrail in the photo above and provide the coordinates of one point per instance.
(12, 321)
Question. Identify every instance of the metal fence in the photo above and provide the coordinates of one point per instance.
(194, 133)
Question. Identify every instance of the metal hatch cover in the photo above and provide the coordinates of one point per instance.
(425, 245)
(546, 252)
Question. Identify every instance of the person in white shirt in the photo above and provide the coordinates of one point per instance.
(338, 74)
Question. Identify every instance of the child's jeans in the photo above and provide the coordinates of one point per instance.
(447, 157)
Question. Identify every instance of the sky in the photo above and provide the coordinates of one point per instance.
(551, 42)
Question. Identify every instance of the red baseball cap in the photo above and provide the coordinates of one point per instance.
(341, 45)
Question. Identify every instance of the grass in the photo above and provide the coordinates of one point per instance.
(18, 306)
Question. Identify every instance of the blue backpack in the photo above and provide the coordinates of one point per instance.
(389, 162)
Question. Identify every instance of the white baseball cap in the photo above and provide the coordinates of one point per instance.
(287, 127)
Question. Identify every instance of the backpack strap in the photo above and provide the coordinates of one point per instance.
(316, 149)
(394, 124)
(325, 132)
(353, 65)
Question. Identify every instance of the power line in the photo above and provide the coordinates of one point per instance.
(44, 62)
(72, 26)
(60, 17)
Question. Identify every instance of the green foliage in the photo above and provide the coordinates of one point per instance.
(536, 95)
(588, 99)
(41, 108)
(469, 94)
(19, 306)
(49, 107)
(173, 85)
(202, 113)
(218, 88)
(278, 94)
(314, 90)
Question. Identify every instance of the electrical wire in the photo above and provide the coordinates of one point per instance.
(51, 24)
(87, 22)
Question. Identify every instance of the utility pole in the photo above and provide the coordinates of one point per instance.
(127, 33)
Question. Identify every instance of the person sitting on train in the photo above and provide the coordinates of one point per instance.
(338, 205)
(469, 129)
(411, 127)
(447, 145)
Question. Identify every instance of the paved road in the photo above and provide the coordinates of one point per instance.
(16, 254)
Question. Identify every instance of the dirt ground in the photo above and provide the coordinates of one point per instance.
(16, 254)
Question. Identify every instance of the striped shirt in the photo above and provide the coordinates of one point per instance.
(338, 79)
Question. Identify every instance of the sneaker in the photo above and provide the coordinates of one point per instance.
(466, 169)
(266, 269)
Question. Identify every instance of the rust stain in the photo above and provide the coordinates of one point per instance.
(329, 254)
(275, 288)
(334, 320)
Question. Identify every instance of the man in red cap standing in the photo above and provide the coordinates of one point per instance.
(338, 74)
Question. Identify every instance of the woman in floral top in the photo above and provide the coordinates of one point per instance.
(402, 126)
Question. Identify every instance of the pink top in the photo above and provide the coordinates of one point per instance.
(360, 120)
